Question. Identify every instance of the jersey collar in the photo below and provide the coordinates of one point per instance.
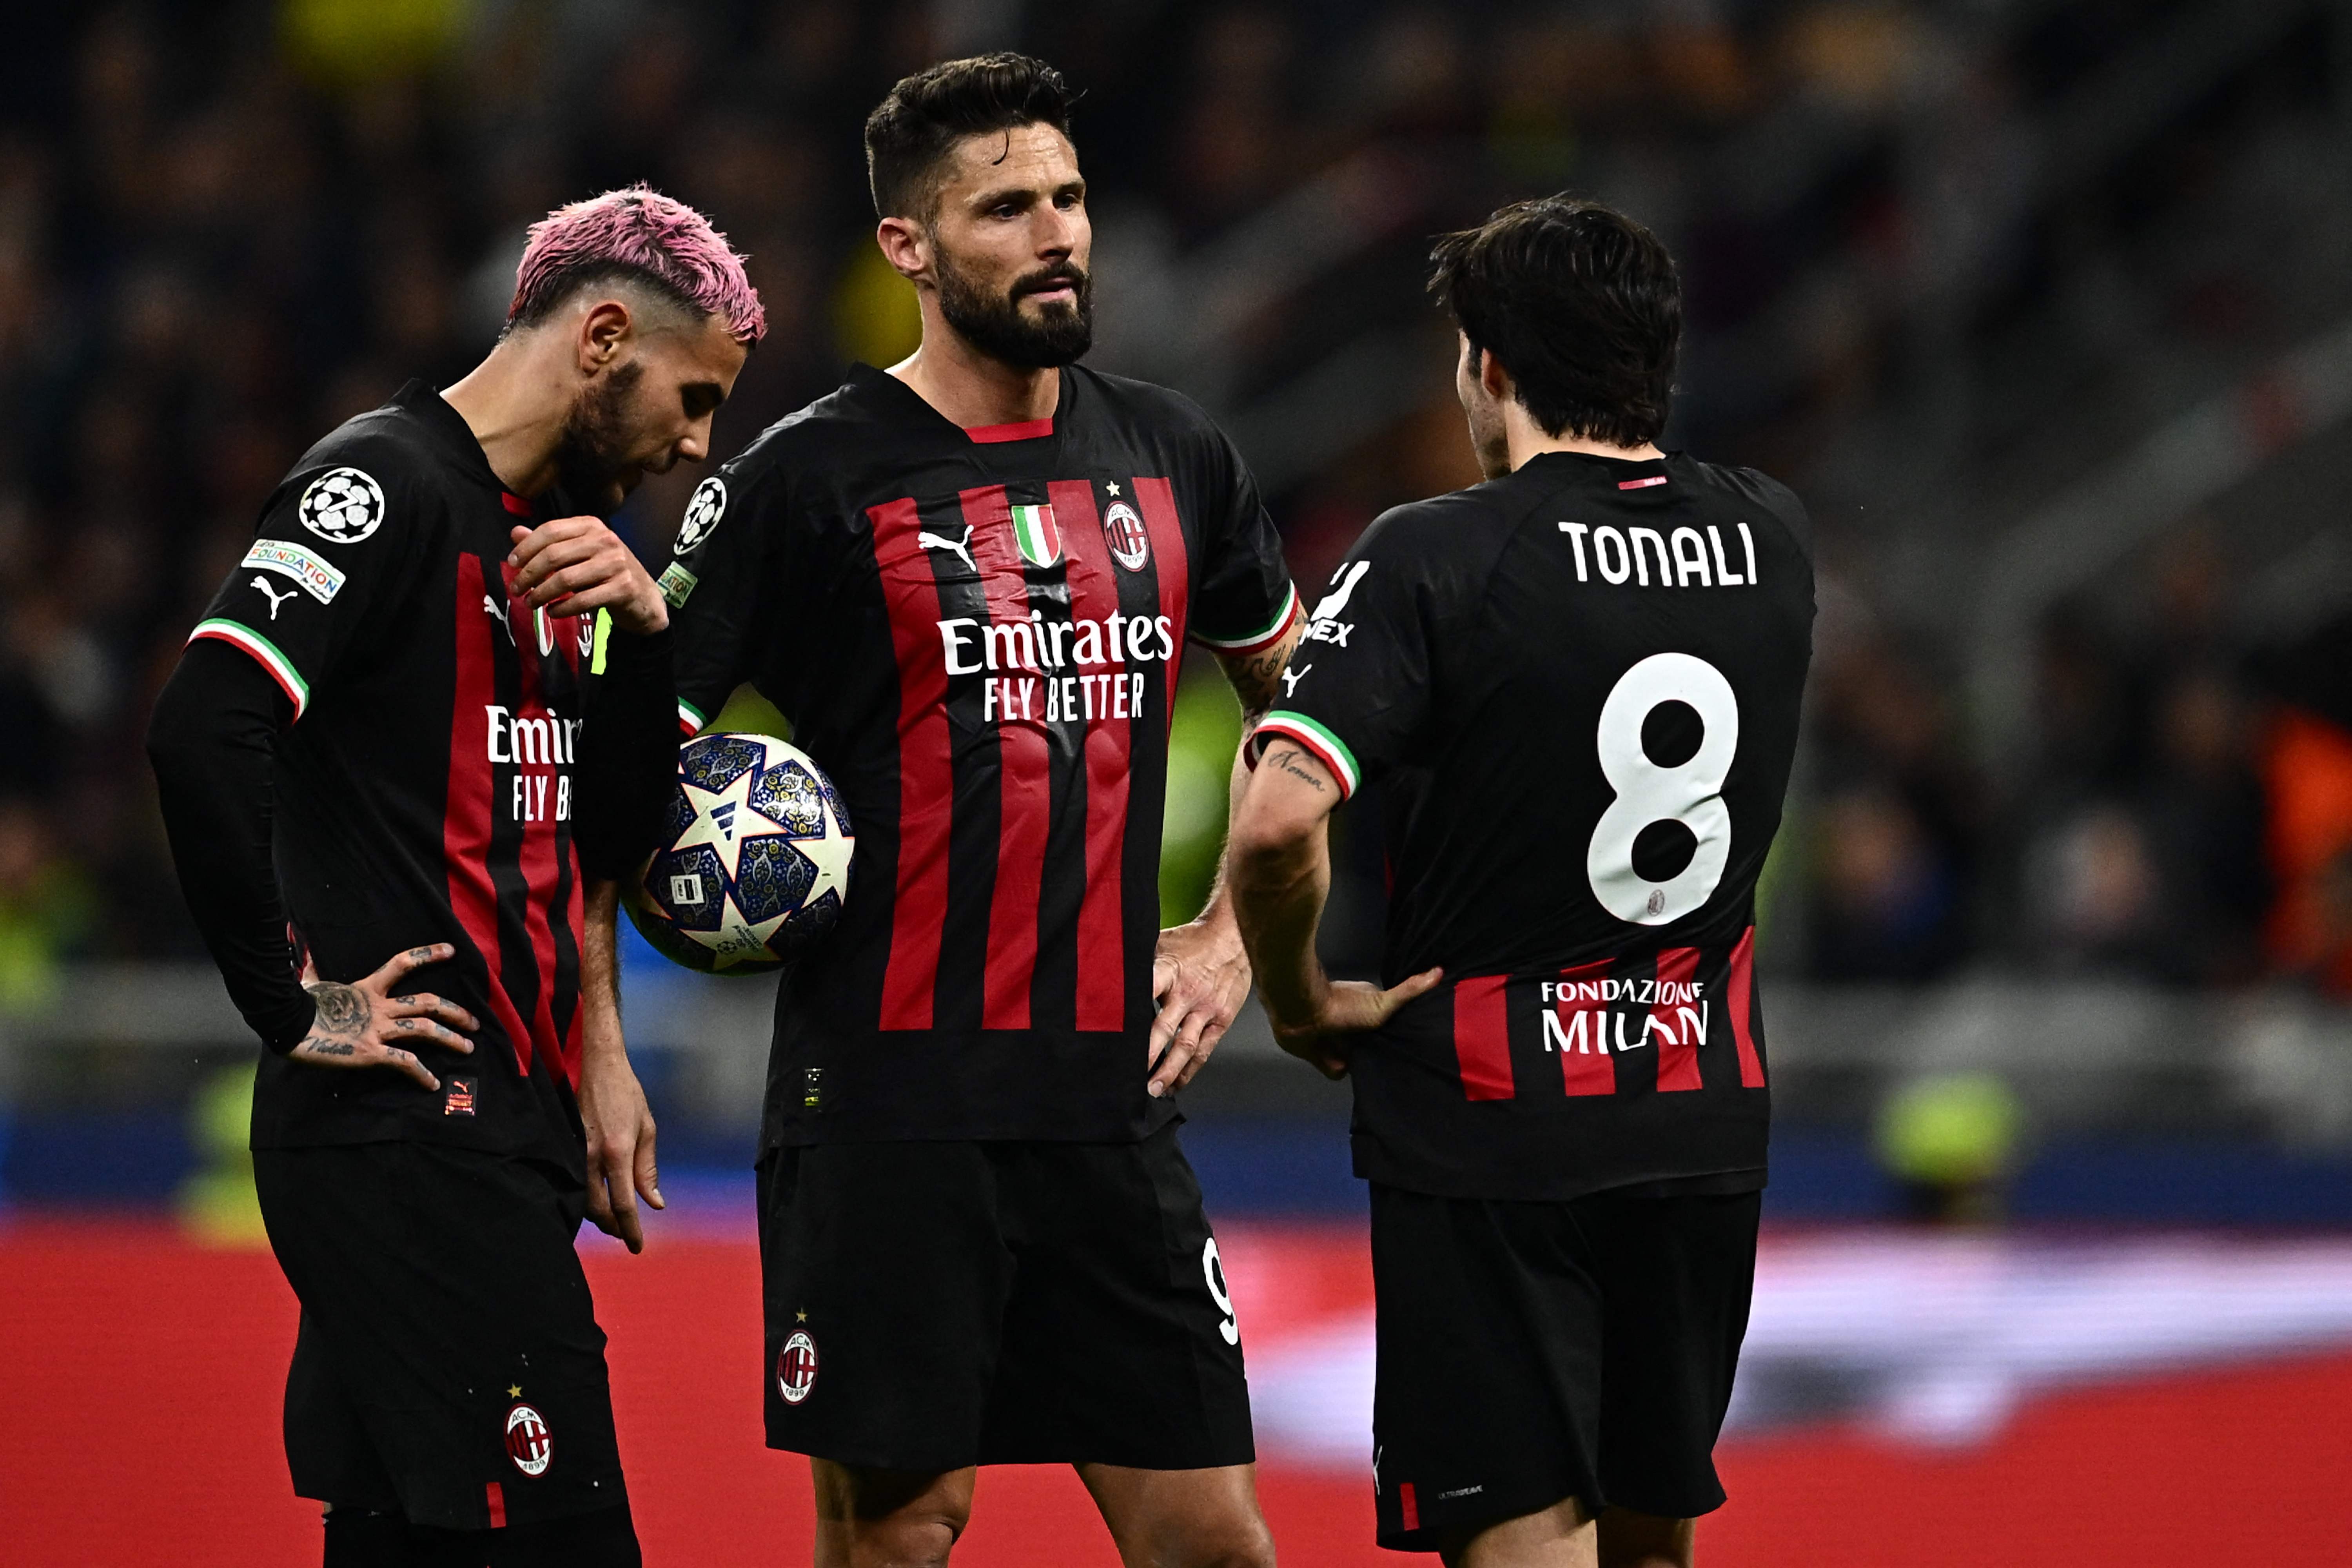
(449, 432)
(1633, 478)
(882, 385)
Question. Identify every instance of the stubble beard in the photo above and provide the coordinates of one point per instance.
(994, 323)
(591, 461)
(1489, 441)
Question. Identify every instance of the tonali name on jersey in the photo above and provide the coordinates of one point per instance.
(978, 634)
(1578, 687)
(426, 791)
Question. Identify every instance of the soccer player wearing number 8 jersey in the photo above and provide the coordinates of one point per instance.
(1577, 686)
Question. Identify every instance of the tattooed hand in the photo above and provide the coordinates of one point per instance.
(364, 1025)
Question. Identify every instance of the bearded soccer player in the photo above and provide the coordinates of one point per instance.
(968, 581)
(427, 721)
(1577, 685)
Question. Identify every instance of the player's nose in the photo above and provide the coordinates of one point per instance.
(1058, 236)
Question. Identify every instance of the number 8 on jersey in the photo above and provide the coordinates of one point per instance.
(1690, 792)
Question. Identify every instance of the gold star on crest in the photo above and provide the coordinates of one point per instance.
(514, 1390)
(800, 1317)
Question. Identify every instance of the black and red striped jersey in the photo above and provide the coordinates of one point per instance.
(1578, 689)
(428, 787)
(977, 634)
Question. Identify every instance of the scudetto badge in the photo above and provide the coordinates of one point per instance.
(529, 1444)
(796, 1368)
(1130, 544)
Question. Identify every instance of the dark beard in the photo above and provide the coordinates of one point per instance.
(994, 325)
(591, 460)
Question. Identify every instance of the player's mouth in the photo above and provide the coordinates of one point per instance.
(1055, 288)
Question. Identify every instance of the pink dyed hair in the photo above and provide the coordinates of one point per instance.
(645, 237)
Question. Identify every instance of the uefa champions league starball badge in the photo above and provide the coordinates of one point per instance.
(342, 506)
(703, 510)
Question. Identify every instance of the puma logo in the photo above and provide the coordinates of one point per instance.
(497, 612)
(961, 547)
(1291, 678)
(272, 595)
(1336, 601)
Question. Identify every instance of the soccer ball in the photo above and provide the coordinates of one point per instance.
(756, 858)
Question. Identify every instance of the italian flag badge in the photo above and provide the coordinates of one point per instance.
(1040, 540)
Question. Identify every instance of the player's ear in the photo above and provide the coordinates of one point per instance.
(905, 246)
(1493, 376)
(604, 329)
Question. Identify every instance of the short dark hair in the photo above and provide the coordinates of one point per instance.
(910, 133)
(1581, 304)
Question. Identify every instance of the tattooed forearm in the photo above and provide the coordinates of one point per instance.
(342, 1009)
(1258, 678)
(1287, 760)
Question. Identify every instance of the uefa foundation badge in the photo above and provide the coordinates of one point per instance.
(529, 1444)
(796, 1368)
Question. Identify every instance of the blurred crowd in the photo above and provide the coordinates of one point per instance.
(2173, 819)
(225, 228)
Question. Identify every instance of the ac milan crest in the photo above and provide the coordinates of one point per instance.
(1131, 546)
(529, 1443)
(796, 1368)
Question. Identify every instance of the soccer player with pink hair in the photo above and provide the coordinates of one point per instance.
(422, 732)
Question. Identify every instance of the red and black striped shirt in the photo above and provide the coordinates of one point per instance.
(977, 634)
(450, 760)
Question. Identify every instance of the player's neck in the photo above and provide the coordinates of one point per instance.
(1524, 438)
(974, 389)
(516, 409)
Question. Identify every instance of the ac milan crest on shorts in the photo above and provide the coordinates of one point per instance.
(797, 1368)
(529, 1443)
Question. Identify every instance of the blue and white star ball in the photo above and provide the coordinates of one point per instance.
(756, 860)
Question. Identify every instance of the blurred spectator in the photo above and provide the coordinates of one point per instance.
(46, 907)
(1895, 839)
(2093, 896)
(1886, 907)
(2204, 818)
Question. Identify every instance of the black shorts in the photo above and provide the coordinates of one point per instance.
(1532, 1351)
(449, 1366)
(936, 1305)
